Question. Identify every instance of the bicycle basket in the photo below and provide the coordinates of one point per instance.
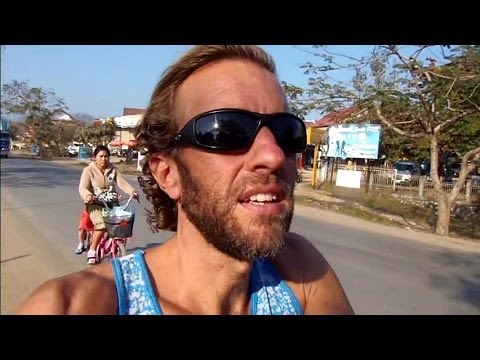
(119, 221)
(120, 226)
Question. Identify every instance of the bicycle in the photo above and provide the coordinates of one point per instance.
(119, 226)
(118, 231)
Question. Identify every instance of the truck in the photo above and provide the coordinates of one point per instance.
(5, 137)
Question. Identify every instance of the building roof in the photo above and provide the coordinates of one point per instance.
(127, 121)
(61, 115)
(336, 117)
(132, 111)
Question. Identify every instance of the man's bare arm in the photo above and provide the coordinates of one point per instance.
(81, 293)
(47, 299)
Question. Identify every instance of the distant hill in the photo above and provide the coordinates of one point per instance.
(85, 118)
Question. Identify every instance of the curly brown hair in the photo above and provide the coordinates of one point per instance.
(159, 125)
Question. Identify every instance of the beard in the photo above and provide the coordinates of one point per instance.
(211, 211)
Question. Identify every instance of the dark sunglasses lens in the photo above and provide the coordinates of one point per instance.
(225, 130)
(290, 133)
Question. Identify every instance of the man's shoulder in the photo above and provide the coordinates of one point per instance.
(91, 291)
(311, 277)
(98, 278)
(300, 261)
(300, 250)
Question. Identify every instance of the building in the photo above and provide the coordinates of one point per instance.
(124, 127)
(124, 130)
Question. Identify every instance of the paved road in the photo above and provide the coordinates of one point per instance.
(384, 270)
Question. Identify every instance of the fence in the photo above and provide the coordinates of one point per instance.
(388, 178)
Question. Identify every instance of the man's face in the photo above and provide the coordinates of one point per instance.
(234, 226)
(242, 201)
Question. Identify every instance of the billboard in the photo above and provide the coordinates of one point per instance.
(360, 141)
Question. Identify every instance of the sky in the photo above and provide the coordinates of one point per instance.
(100, 80)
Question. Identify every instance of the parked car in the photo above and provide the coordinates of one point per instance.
(475, 180)
(406, 171)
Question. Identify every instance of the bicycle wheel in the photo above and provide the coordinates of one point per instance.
(88, 239)
(121, 249)
(100, 252)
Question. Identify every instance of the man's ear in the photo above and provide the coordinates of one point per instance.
(164, 170)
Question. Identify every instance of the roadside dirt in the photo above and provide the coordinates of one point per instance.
(402, 233)
(26, 261)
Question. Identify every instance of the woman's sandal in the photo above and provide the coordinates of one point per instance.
(91, 257)
(80, 249)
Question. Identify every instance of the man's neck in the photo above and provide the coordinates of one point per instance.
(202, 278)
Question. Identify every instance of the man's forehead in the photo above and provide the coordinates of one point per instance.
(232, 84)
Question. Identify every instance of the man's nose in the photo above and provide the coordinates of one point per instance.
(265, 153)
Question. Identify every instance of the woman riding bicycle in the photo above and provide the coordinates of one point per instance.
(98, 182)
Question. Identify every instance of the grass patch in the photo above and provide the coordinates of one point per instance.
(461, 228)
(347, 209)
(380, 204)
(382, 201)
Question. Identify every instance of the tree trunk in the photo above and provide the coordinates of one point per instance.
(437, 185)
(443, 219)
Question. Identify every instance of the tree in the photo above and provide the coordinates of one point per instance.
(96, 134)
(38, 105)
(14, 131)
(429, 101)
(296, 100)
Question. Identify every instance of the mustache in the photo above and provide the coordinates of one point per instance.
(265, 179)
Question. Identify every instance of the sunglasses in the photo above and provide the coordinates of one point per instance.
(236, 129)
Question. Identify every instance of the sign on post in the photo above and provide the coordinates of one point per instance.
(354, 141)
(349, 178)
(82, 152)
(315, 136)
(35, 149)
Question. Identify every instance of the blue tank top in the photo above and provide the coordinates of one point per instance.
(271, 295)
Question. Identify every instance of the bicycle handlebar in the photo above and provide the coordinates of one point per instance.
(95, 198)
